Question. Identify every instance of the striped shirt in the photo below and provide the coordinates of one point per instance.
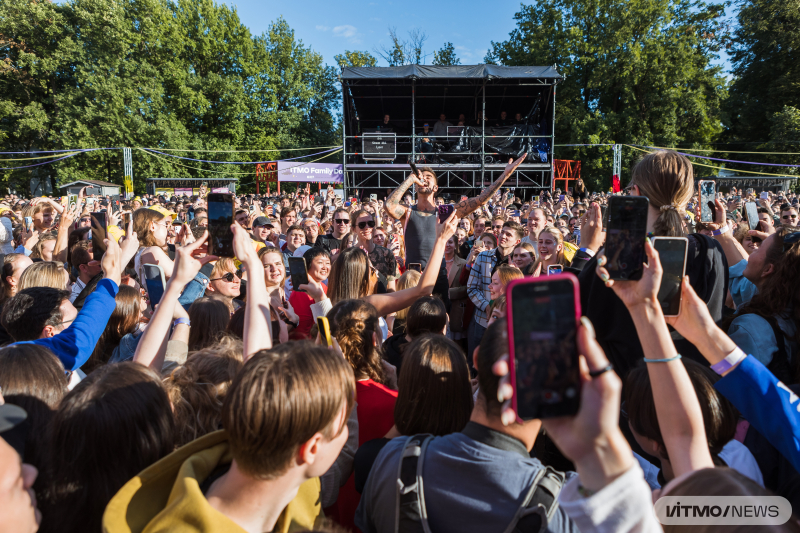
(479, 279)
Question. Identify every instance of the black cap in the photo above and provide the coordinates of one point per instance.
(263, 221)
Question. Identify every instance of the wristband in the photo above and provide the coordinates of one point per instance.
(182, 321)
(721, 231)
(667, 360)
(732, 359)
(587, 251)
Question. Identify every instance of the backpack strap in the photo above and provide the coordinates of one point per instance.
(410, 513)
(540, 504)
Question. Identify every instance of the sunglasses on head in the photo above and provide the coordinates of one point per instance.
(790, 240)
(364, 224)
(227, 277)
(341, 221)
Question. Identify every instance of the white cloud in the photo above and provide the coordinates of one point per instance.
(347, 31)
(322, 28)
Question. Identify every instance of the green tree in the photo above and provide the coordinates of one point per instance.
(355, 58)
(446, 55)
(636, 72)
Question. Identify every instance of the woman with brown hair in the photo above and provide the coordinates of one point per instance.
(197, 388)
(363, 224)
(124, 321)
(501, 277)
(666, 179)
(44, 248)
(524, 258)
(209, 321)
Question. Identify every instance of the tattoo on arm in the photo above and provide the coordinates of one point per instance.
(392, 204)
(465, 207)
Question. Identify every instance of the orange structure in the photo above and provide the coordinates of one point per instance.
(267, 173)
(566, 170)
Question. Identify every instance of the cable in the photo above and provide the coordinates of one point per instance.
(40, 157)
(46, 162)
(233, 173)
(720, 168)
(724, 151)
(239, 151)
(236, 162)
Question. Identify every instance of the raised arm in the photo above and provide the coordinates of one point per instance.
(465, 207)
(677, 408)
(64, 228)
(393, 206)
(395, 301)
(257, 325)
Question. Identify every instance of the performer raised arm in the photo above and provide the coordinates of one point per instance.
(427, 187)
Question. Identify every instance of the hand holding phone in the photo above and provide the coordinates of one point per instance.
(625, 237)
(444, 212)
(220, 219)
(672, 253)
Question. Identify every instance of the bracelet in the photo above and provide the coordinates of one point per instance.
(731, 360)
(667, 360)
(722, 231)
(182, 320)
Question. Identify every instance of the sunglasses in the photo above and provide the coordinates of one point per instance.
(341, 221)
(370, 223)
(789, 216)
(790, 240)
(227, 277)
(497, 227)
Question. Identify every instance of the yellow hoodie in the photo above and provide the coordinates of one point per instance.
(166, 496)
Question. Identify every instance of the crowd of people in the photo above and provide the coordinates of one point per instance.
(222, 407)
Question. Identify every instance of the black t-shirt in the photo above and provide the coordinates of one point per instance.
(328, 242)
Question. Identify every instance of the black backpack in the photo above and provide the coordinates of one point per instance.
(411, 515)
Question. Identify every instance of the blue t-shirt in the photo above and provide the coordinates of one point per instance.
(469, 485)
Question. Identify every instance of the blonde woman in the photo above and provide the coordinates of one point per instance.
(410, 278)
(282, 314)
(551, 249)
(44, 274)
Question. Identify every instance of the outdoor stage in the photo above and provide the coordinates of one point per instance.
(466, 159)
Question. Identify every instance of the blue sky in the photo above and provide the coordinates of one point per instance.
(332, 27)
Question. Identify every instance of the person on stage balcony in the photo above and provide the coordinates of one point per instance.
(504, 120)
(518, 119)
(386, 124)
(462, 119)
(440, 128)
(426, 139)
(419, 220)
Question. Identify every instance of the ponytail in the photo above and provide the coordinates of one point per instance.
(666, 178)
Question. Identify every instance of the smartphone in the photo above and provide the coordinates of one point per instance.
(73, 199)
(115, 200)
(252, 208)
(737, 198)
(672, 252)
(373, 197)
(536, 198)
(751, 210)
(220, 218)
(554, 270)
(347, 204)
(415, 266)
(298, 272)
(414, 170)
(514, 213)
(99, 225)
(64, 201)
(543, 315)
(324, 328)
(765, 195)
(155, 283)
(89, 201)
(707, 196)
(604, 214)
(445, 211)
(627, 230)
(560, 197)
(28, 223)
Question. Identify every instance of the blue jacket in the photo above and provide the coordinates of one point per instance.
(75, 345)
(769, 405)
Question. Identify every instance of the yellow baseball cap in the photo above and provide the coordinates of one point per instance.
(164, 211)
(115, 232)
(3, 209)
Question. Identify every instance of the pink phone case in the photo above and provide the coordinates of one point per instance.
(510, 320)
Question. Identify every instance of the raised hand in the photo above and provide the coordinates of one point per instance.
(643, 291)
(186, 265)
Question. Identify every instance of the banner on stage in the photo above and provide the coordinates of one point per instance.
(310, 172)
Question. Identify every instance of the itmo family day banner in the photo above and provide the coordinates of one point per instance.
(310, 172)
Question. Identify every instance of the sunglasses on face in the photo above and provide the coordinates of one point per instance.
(341, 221)
(227, 277)
(364, 224)
(497, 227)
(789, 216)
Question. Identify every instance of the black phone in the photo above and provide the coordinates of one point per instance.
(445, 211)
(298, 272)
(414, 170)
(672, 254)
(543, 315)
(751, 210)
(707, 196)
(220, 218)
(604, 214)
(627, 230)
(99, 233)
(415, 266)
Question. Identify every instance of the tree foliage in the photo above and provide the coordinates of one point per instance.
(636, 71)
(154, 73)
(404, 51)
(446, 55)
(356, 58)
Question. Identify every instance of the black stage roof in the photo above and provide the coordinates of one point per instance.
(450, 72)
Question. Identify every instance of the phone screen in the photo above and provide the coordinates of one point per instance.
(752, 214)
(154, 283)
(604, 212)
(707, 196)
(554, 269)
(672, 253)
(220, 218)
(445, 211)
(627, 230)
(298, 272)
(543, 329)
(99, 225)
(415, 266)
